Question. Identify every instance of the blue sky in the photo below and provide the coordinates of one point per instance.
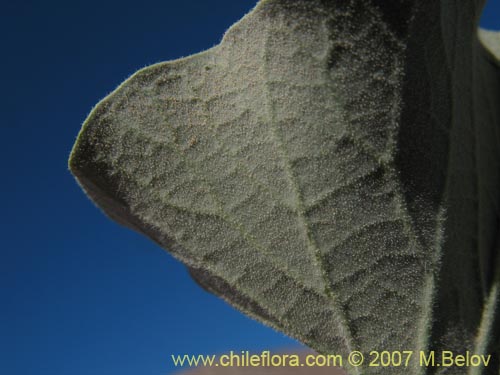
(80, 294)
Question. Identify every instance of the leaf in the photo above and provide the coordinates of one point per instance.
(330, 168)
(491, 41)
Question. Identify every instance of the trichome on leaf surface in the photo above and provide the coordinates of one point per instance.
(331, 168)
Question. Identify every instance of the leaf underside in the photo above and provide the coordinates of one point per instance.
(330, 168)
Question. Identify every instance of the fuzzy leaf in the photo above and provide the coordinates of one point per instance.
(330, 168)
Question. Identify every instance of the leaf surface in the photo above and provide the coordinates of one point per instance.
(328, 169)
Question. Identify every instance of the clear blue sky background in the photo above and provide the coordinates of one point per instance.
(78, 293)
